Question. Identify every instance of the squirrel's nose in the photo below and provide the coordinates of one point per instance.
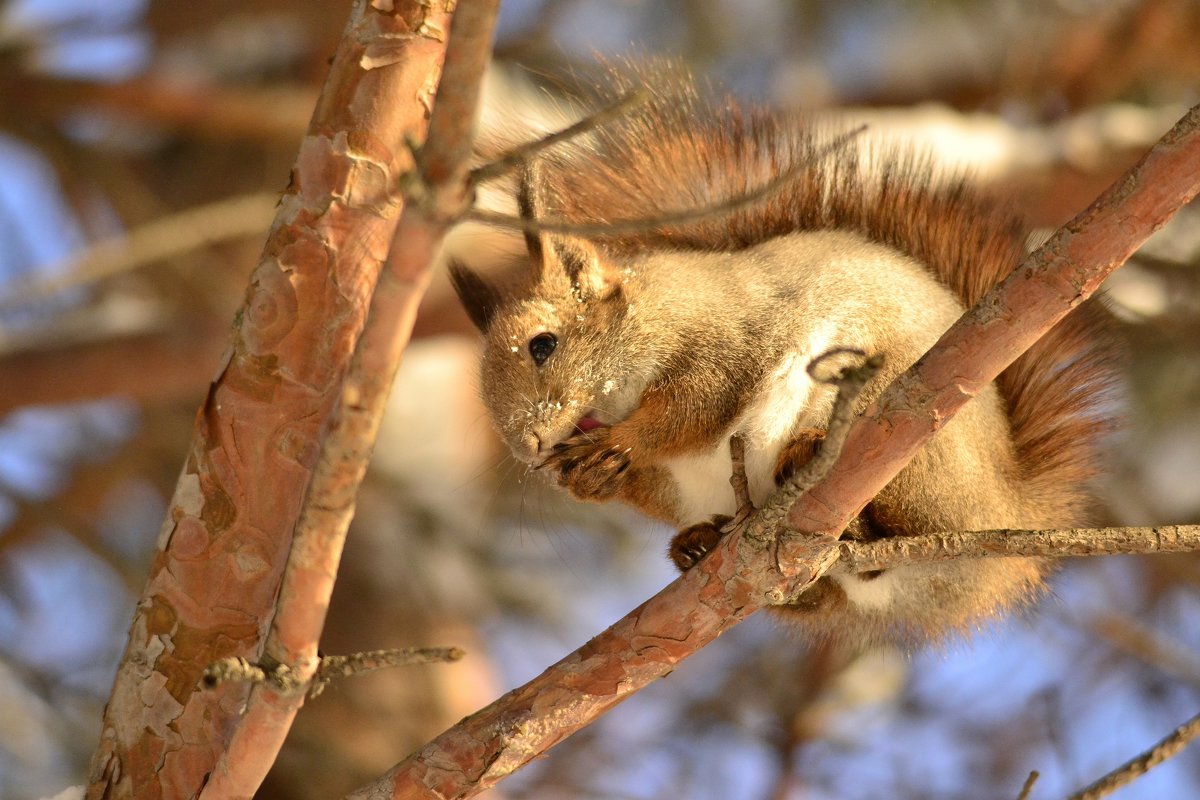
(533, 444)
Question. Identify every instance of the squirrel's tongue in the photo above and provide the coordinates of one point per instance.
(588, 423)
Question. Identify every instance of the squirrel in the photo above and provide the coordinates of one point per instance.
(625, 360)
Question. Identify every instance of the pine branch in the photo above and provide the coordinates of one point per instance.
(343, 452)
(254, 530)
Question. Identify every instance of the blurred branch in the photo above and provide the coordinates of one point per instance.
(519, 154)
(1135, 639)
(1027, 788)
(149, 367)
(740, 575)
(230, 218)
(1133, 769)
(277, 114)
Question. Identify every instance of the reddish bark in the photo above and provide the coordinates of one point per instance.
(346, 448)
(734, 581)
(213, 584)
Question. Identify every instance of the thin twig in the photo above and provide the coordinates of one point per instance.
(850, 382)
(623, 226)
(1136, 767)
(898, 551)
(330, 668)
(1027, 788)
(355, 664)
(738, 480)
(516, 156)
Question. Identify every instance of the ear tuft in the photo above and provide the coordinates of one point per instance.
(580, 263)
(479, 298)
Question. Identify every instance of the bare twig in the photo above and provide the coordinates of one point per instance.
(516, 156)
(1136, 767)
(738, 480)
(850, 381)
(620, 226)
(355, 664)
(927, 548)
(282, 678)
(1027, 787)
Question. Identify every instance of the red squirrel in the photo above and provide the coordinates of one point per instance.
(624, 361)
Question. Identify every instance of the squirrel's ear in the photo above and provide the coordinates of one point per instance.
(581, 263)
(478, 297)
(553, 257)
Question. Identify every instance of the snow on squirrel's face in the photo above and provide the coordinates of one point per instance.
(561, 357)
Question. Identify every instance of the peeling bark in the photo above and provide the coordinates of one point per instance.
(226, 539)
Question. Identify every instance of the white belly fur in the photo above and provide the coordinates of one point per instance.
(702, 479)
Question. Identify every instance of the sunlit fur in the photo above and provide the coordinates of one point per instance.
(676, 337)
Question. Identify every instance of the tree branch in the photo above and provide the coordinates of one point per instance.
(345, 449)
(901, 551)
(519, 154)
(681, 217)
(256, 444)
(735, 580)
(1051, 281)
(1133, 769)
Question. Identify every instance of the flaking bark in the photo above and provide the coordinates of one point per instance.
(213, 584)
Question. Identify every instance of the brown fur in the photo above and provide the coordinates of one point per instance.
(678, 152)
(669, 336)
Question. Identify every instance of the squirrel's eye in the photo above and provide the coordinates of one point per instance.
(541, 346)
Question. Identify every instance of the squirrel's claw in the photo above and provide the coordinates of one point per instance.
(693, 543)
(589, 467)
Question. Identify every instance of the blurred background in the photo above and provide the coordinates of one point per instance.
(142, 147)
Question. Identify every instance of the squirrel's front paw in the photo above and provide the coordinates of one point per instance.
(693, 543)
(590, 466)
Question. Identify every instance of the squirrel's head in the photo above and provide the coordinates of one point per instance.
(562, 354)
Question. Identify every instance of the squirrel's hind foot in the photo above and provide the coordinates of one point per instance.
(694, 542)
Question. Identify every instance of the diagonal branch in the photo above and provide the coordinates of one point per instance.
(521, 153)
(1140, 765)
(670, 218)
(1051, 281)
(735, 580)
(345, 449)
(256, 444)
